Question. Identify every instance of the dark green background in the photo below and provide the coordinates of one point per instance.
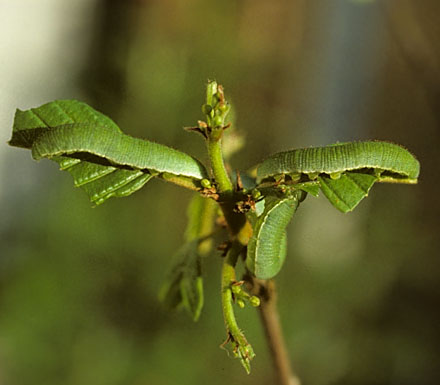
(359, 292)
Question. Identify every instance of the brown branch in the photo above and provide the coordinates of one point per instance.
(272, 327)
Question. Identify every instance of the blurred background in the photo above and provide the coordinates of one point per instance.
(359, 294)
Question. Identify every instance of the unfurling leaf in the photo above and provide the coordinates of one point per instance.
(184, 283)
(183, 287)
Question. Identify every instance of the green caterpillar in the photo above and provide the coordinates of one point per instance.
(70, 127)
(345, 172)
(266, 250)
(389, 162)
(115, 148)
(103, 160)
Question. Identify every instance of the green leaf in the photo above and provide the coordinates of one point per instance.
(346, 192)
(183, 286)
(30, 124)
(309, 187)
(103, 182)
(91, 147)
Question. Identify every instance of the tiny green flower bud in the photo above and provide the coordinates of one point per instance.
(256, 193)
(206, 183)
(218, 121)
(241, 303)
(223, 107)
(254, 301)
(236, 289)
(206, 109)
(215, 101)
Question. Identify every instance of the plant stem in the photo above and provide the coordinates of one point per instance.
(270, 319)
(180, 181)
(225, 188)
(241, 348)
(218, 166)
(241, 231)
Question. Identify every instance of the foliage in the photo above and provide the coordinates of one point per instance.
(256, 208)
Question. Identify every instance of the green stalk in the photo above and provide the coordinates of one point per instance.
(221, 176)
(239, 228)
(241, 348)
(240, 233)
(225, 188)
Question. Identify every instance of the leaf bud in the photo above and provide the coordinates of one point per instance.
(223, 107)
(236, 289)
(240, 303)
(254, 301)
(215, 100)
(206, 183)
(211, 90)
(256, 193)
(206, 109)
(218, 121)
